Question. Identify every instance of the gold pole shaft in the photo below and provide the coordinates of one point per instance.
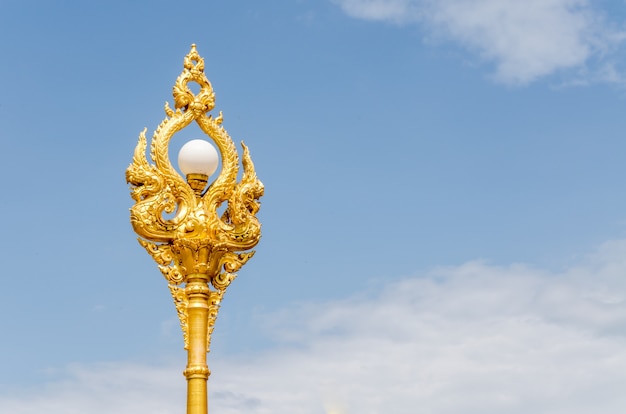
(197, 371)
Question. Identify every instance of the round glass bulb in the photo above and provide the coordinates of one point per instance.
(198, 157)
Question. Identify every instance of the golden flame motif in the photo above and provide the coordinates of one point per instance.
(194, 246)
(159, 190)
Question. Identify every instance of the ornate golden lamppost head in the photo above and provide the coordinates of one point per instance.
(177, 218)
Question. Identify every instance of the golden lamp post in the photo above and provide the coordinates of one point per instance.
(199, 233)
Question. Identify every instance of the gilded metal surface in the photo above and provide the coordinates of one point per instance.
(197, 249)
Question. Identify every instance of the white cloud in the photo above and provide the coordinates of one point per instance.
(525, 40)
(102, 388)
(468, 339)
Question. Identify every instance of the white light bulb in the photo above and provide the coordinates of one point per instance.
(198, 157)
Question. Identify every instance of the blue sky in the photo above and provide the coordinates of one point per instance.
(443, 223)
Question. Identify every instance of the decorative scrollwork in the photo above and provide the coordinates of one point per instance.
(181, 302)
(215, 298)
(172, 274)
(221, 281)
(161, 253)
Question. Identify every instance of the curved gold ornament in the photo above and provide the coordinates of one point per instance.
(180, 228)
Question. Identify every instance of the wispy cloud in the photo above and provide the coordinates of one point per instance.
(525, 40)
(468, 339)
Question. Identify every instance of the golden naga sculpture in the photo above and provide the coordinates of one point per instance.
(197, 249)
